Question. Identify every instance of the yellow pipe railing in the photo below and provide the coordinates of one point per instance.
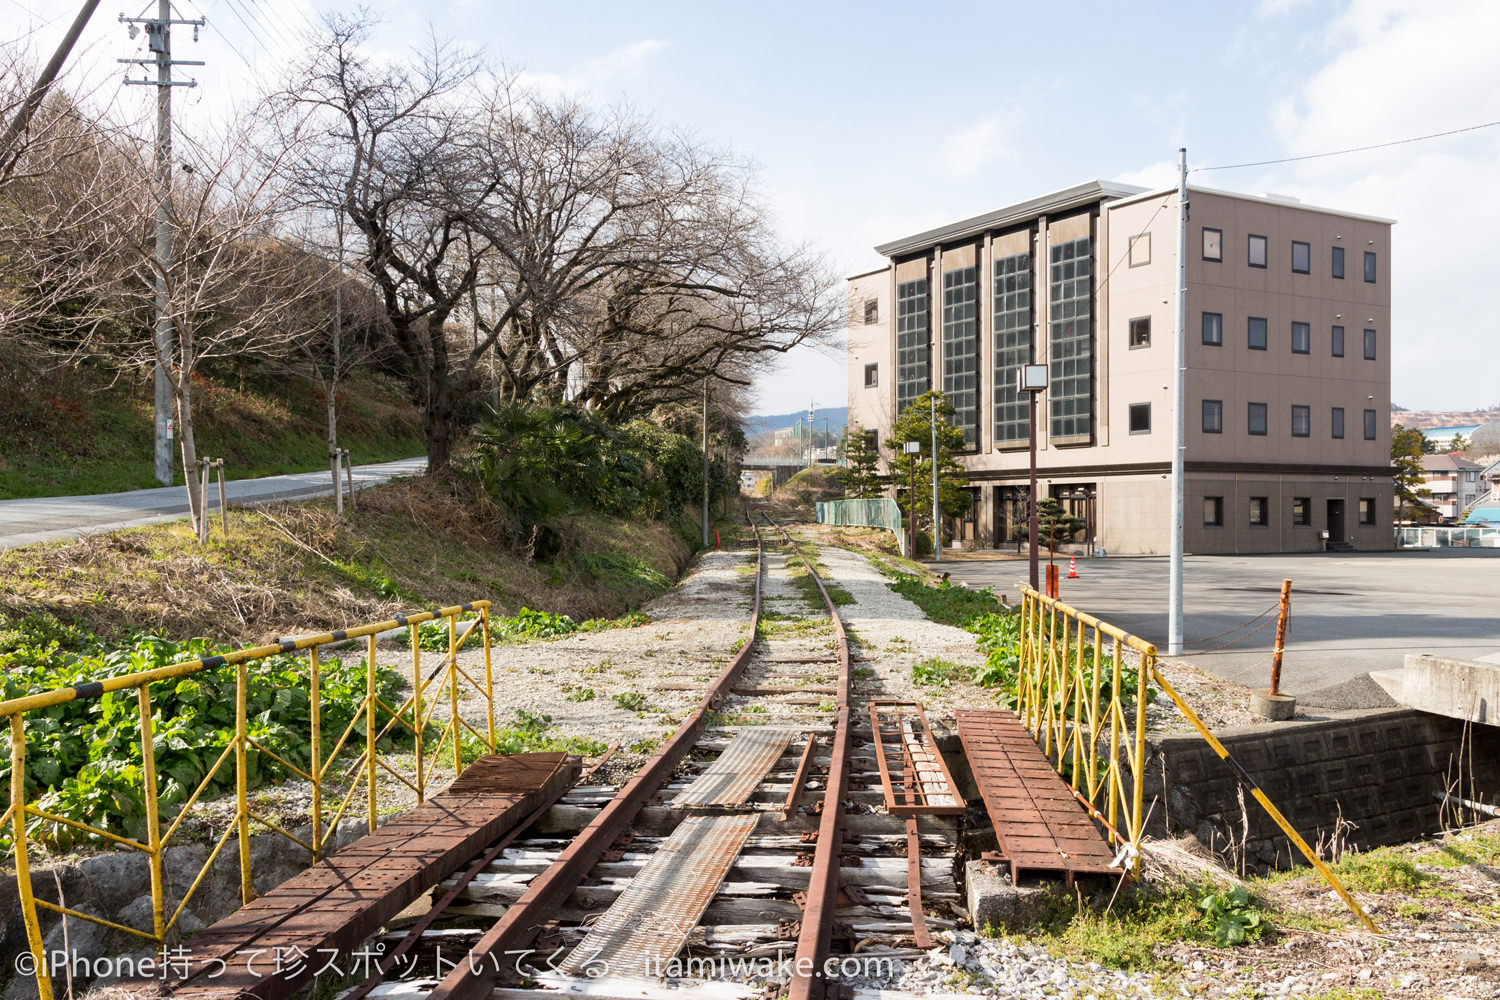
(1062, 655)
(418, 718)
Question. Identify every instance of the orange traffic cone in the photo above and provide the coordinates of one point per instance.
(1072, 567)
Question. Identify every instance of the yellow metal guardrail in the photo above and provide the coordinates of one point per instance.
(432, 689)
(1087, 728)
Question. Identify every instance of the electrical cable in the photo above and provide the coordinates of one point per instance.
(1344, 152)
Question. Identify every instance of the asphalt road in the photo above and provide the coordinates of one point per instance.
(1351, 613)
(27, 522)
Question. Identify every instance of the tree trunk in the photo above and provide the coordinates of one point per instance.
(437, 430)
(184, 387)
(330, 394)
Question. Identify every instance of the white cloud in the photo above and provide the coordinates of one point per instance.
(1276, 8)
(966, 151)
(1161, 174)
(620, 62)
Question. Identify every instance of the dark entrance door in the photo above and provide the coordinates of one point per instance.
(1335, 521)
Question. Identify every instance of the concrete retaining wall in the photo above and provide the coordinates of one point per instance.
(1379, 771)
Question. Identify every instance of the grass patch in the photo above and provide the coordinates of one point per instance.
(937, 672)
(1382, 870)
(529, 732)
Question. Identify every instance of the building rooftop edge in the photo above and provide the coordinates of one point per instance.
(866, 274)
(1065, 198)
(1260, 198)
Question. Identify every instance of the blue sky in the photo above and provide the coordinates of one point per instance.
(868, 122)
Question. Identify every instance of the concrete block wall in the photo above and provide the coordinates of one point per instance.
(1379, 771)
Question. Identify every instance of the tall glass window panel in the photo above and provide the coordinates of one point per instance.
(1337, 340)
(1301, 421)
(1301, 338)
(1338, 262)
(1257, 333)
(1301, 258)
(1256, 420)
(913, 349)
(1369, 425)
(1213, 329)
(1257, 251)
(1370, 266)
(1071, 346)
(961, 349)
(1012, 347)
(1369, 345)
(1338, 421)
(1213, 416)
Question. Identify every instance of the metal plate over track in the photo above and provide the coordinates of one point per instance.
(731, 778)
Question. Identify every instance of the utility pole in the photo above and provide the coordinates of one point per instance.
(43, 84)
(705, 463)
(812, 435)
(159, 40)
(937, 513)
(1179, 418)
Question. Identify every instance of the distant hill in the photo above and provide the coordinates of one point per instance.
(837, 417)
(1422, 419)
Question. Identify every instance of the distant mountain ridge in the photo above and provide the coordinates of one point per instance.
(759, 423)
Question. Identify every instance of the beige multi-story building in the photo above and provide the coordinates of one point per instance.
(1288, 364)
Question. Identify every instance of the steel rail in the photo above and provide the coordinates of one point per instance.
(474, 976)
(815, 937)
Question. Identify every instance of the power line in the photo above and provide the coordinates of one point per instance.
(1355, 149)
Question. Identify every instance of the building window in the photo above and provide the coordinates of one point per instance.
(913, 346)
(1012, 347)
(872, 375)
(1369, 425)
(872, 439)
(1213, 416)
(1301, 338)
(872, 311)
(1338, 421)
(1140, 331)
(1301, 258)
(1258, 251)
(1302, 510)
(1071, 347)
(1213, 329)
(1369, 345)
(1213, 511)
(1337, 340)
(1257, 333)
(1370, 266)
(1338, 262)
(1140, 418)
(1256, 420)
(961, 349)
(1260, 511)
(1140, 250)
(1366, 510)
(1213, 244)
(1301, 421)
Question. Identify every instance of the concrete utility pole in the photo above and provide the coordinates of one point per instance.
(1179, 417)
(159, 40)
(937, 513)
(43, 84)
(705, 463)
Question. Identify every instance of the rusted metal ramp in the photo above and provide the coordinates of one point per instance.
(1038, 822)
(327, 911)
(913, 776)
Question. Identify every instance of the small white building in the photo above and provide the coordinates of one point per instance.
(1453, 482)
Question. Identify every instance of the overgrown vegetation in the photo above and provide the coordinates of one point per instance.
(525, 625)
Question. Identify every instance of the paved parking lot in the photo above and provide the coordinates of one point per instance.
(1351, 613)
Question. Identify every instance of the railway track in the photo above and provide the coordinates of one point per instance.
(753, 855)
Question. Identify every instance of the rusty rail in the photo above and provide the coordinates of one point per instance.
(474, 977)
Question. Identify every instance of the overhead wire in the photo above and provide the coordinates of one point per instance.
(1352, 149)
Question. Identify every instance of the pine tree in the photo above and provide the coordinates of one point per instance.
(915, 424)
(1055, 524)
(1407, 448)
(860, 475)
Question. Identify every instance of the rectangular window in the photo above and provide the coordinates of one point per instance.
(1338, 421)
(1213, 329)
(872, 375)
(1370, 266)
(1213, 511)
(872, 311)
(1012, 321)
(1140, 331)
(1258, 251)
(913, 342)
(1369, 345)
(1260, 511)
(1301, 258)
(1140, 250)
(1140, 418)
(1213, 244)
(1256, 420)
(1071, 346)
(1213, 416)
(1257, 333)
(1301, 421)
(1301, 338)
(1302, 510)
(872, 436)
(1338, 262)
(1366, 510)
(1369, 425)
(961, 349)
(1337, 340)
